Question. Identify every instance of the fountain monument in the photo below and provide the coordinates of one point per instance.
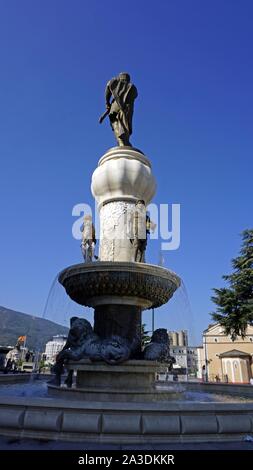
(108, 359)
(114, 398)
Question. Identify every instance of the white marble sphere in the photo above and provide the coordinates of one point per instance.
(123, 174)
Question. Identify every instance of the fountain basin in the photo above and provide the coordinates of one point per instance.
(103, 283)
(128, 423)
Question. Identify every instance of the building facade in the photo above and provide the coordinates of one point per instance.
(192, 360)
(178, 338)
(221, 359)
(185, 356)
(53, 347)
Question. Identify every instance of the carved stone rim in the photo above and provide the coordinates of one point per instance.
(119, 266)
(124, 147)
(91, 284)
(129, 153)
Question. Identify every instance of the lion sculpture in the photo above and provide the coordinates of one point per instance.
(159, 348)
(82, 343)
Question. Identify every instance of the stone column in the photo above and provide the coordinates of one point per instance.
(123, 177)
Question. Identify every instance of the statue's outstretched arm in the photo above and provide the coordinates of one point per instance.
(108, 95)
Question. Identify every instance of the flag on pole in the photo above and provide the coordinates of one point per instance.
(21, 339)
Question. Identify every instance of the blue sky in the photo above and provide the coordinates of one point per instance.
(193, 66)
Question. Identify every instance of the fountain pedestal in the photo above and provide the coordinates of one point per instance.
(118, 287)
(132, 381)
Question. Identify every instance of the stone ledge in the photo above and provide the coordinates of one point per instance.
(172, 407)
(234, 424)
(55, 419)
(12, 417)
(48, 420)
(14, 378)
(134, 366)
(116, 423)
(104, 395)
(245, 390)
(196, 424)
(86, 422)
(160, 424)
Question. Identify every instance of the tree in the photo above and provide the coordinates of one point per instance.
(235, 303)
(145, 338)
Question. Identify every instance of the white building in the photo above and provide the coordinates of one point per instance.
(54, 346)
(192, 360)
(186, 357)
(180, 355)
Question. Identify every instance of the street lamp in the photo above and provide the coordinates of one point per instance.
(153, 320)
(206, 360)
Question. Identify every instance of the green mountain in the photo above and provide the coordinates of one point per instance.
(37, 330)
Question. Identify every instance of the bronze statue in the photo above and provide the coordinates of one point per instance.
(120, 109)
(159, 348)
(88, 239)
(140, 231)
(82, 342)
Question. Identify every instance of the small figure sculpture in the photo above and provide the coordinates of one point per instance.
(120, 109)
(88, 239)
(82, 343)
(140, 231)
(149, 225)
(159, 348)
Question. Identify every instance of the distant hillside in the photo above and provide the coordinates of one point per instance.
(37, 330)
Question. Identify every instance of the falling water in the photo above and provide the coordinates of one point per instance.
(59, 308)
(176, 315)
